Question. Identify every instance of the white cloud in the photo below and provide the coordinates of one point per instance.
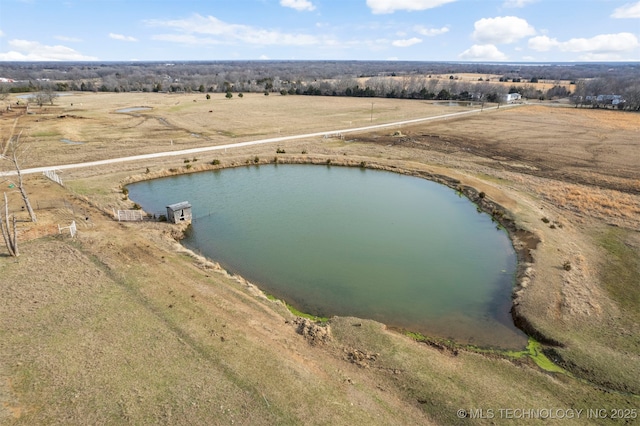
(542, 43)
(629, 10)
(603, 44)
(199, 30)
(517, 3)
(390, 6)
(406, 42)
(431, 32)
(24, 50)
(122, 37)
(502, 29)
(299, 5)
(483, 52)
(68, 39)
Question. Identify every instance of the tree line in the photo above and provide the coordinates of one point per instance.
(409, 80)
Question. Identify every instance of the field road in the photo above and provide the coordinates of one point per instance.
(248, 143)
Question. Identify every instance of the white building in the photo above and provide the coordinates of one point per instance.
(511, 98)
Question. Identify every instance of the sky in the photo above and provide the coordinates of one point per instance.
(405, 30)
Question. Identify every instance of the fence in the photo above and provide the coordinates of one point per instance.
(129, 215)
(333, 135)
(73, 230)
(51, 174)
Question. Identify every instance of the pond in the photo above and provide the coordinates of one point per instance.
(133, 109)
(330, 240)
(70, 142)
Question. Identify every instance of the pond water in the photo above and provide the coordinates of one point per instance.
(134, 109)
(331, 240)
(70, 142)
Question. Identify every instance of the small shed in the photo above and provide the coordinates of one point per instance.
(179, 212)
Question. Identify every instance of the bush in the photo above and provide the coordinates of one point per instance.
(304, 151)
(256, 159)
(482, 195)
(566, 266)
(187, 161)
(188, 166)
(125, 191)
(280, 151)
(215, 162)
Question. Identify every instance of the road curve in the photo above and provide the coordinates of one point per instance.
(243, 144)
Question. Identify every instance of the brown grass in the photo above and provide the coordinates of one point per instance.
(123, 325)
(188, 121)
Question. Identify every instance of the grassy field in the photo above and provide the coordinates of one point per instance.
(174, 122)
(123, 325)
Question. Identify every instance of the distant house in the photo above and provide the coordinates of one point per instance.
(604, 100)
(610, 99)
(179, 212)
(511, 97)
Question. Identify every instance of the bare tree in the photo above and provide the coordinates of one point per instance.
(50, 95)
(12, 153)
(9, 234)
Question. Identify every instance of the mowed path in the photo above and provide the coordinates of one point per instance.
(248, 143)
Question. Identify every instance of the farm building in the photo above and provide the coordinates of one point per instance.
(179, 212)
(512, 97)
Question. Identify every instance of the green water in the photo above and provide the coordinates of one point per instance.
(402, 250)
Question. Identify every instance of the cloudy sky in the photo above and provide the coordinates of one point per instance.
(424, 30)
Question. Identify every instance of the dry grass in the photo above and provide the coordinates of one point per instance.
(607, 205)
(474, 78)
(122, 325)
(188, 121)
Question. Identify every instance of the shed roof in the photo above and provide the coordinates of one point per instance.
(179, 206)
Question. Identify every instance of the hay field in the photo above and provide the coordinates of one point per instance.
(472, 78)
(95, 130)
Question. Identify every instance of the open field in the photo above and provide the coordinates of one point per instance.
(122, 325)
(471, 78)
(174, 122)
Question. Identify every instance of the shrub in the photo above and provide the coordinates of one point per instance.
(187, 161)
(256, 159)
(546, 220)
(125, 191)
(363, 164)
(328, 161)
(280, 151)
(304, 151)
(188, 166)
(566, 266)
(215, 162)
(482, 195)
(147, 171)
